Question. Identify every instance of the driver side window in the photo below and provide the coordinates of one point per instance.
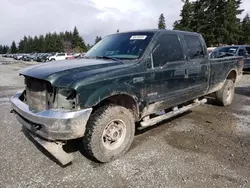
(167, 49)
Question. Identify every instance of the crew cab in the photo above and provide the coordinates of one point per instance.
(124, 79)
(58, 56)
(237, 50)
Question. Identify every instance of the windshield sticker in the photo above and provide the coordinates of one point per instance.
(138, 37)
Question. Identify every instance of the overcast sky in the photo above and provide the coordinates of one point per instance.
(92, 17)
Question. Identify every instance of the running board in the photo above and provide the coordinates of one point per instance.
(176, 111)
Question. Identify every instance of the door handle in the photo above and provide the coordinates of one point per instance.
(186, 73)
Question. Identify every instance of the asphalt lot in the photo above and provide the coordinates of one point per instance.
(207, 147)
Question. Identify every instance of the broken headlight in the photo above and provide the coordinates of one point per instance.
(66, 98)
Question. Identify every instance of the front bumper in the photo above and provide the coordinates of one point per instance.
(54, 124)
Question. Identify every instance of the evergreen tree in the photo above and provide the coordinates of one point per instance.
(231, 23)
(78, 42)
(97, 39)
(216, 20)
(13, 48)
(25, 44)
(186, 15)
(1, 49)
(245, 30)
(21, 46)
(162, 23)
(75, 39)
(42, 47)
(88, 47)
(5, 49)
(36, 45)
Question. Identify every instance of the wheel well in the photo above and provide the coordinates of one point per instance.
(232, 75)
(124, 100)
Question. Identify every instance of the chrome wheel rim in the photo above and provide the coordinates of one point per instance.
(114, 134)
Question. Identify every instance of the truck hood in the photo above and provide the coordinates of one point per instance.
(64, 73)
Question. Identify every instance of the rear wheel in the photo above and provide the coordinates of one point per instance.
(225, 95)
(109, 133)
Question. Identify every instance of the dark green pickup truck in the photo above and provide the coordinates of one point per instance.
(125, 78)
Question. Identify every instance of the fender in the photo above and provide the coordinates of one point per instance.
(108, 91)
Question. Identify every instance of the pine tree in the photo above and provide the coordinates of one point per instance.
(75, 39)
(36, 45)
(1, 49)
(5, 49)
(245, 30)
(13, 47)
(231, 23)
(41, 44)
(78, 42)
(97, 39)
(21, 46)
(25, 44)
(186, 17)
(162, 23)
(216, 20)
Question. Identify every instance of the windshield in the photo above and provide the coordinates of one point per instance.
(121, 46)
(232, 50)
(224, 52)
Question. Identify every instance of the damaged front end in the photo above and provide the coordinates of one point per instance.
(52, 115)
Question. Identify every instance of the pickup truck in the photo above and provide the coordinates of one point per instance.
(58, 56)
(141, 77)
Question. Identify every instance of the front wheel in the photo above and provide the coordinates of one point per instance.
(109, 133)
(225, 95)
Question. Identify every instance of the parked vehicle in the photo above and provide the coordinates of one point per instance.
(239, 50)
(26, 57)
(73, 56)
(43, 58)
(18, 56)
(125, 78)
(58, 56)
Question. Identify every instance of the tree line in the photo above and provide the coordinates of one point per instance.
(4, 49)
(68, 41)
(217, 20)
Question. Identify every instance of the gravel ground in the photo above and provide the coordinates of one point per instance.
(207, 147)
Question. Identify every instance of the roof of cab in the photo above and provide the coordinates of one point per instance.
(159, 30)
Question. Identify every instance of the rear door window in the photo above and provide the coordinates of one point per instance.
(248, 49)
(194, 47)
(167, 49)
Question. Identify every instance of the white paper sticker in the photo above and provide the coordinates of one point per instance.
(138, 37)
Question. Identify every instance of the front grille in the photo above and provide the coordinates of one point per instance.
(36, 94)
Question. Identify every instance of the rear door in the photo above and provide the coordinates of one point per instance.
(197, 65)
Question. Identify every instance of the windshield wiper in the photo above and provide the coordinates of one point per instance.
(107, 57)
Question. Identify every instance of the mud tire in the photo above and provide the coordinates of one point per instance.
(93, 143)
(225, 95)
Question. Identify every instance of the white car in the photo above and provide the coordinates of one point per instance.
(58, 56)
